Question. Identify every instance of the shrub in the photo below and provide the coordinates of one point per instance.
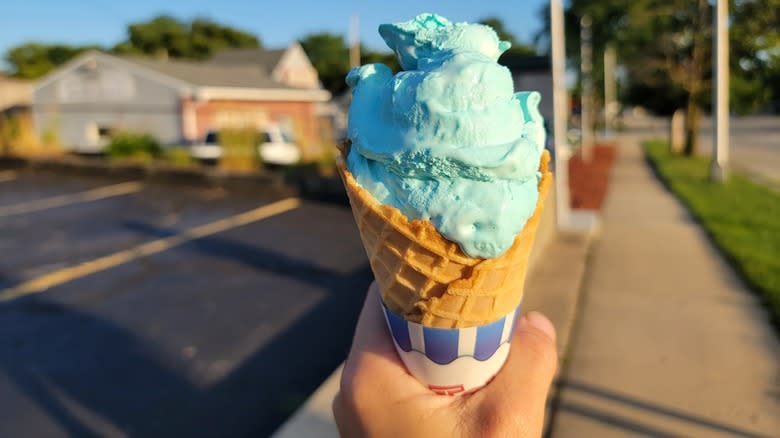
(239, 149)
(131, 145)
(10, 131)
(178, 157)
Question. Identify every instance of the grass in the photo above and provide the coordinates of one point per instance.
(741, 217)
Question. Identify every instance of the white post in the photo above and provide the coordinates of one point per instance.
(560, 114)
(586, 107)
(720, 153)
(610, 103)
(354, 41)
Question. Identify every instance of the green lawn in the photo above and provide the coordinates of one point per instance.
(742, 217)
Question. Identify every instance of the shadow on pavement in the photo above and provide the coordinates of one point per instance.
(606, 417)
(69, 362)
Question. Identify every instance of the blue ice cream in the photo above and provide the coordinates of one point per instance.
(447, 139)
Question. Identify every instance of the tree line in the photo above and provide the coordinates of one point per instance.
(665, 50)
(201, 38)
(196, 39)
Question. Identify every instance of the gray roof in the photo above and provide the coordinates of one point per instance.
(267, 59)
(209, 73)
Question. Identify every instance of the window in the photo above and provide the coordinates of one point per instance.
(98, 134)
(212, 138)
(104, 133)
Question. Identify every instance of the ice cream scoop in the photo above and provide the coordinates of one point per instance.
(447, 140)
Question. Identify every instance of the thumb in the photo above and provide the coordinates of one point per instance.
(524, 382)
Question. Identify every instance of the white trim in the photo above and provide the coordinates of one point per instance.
(183, 87)
(273, 94)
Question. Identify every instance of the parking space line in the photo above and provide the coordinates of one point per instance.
(65, 275)
(120, 189)
(7, 175)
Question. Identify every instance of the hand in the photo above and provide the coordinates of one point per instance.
(379, 398)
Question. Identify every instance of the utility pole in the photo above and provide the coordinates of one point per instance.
(720, 128)
(610, 103)
(560, 114)
(586, 106)
(354, 41)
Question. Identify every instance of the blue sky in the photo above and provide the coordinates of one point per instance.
(276, 22)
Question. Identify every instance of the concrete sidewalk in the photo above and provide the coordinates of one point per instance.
(668, 341)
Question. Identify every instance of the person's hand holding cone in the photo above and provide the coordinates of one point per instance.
(378, 398)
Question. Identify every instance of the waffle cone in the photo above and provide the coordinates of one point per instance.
(428, 279)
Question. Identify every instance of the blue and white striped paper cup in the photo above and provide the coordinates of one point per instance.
(452, 361)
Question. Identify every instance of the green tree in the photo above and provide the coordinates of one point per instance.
(503, 34)
(755, 54)
(33, 60)
(673, 44)
(368, 56)
(197, 39)
(330, 56)
(665, 47)
(207, 37)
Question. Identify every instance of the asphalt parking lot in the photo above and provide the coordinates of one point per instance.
(135, 309)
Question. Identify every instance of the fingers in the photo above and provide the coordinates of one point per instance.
(524, 382)
(371, 333)
(373, 356)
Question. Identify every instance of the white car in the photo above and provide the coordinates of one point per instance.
(278, 148)
(275, 147)
(209, 149)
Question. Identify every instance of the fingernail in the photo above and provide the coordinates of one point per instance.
(540, 322)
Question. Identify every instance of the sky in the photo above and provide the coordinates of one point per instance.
(276, 22)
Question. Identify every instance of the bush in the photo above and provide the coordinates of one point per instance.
(178, 157)
(239, 149)
(130, 145)
(10, 131)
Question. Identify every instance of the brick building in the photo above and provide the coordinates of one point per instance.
(178, 101)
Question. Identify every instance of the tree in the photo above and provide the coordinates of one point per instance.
(368, 56)
(665, 47)
(755, 54)
(207, 37)
(198, 39)
(503, 34)
(162, 35)
(33, 60)
(330, 57)
(674, 43)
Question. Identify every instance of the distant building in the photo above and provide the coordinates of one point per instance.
(177, 101)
